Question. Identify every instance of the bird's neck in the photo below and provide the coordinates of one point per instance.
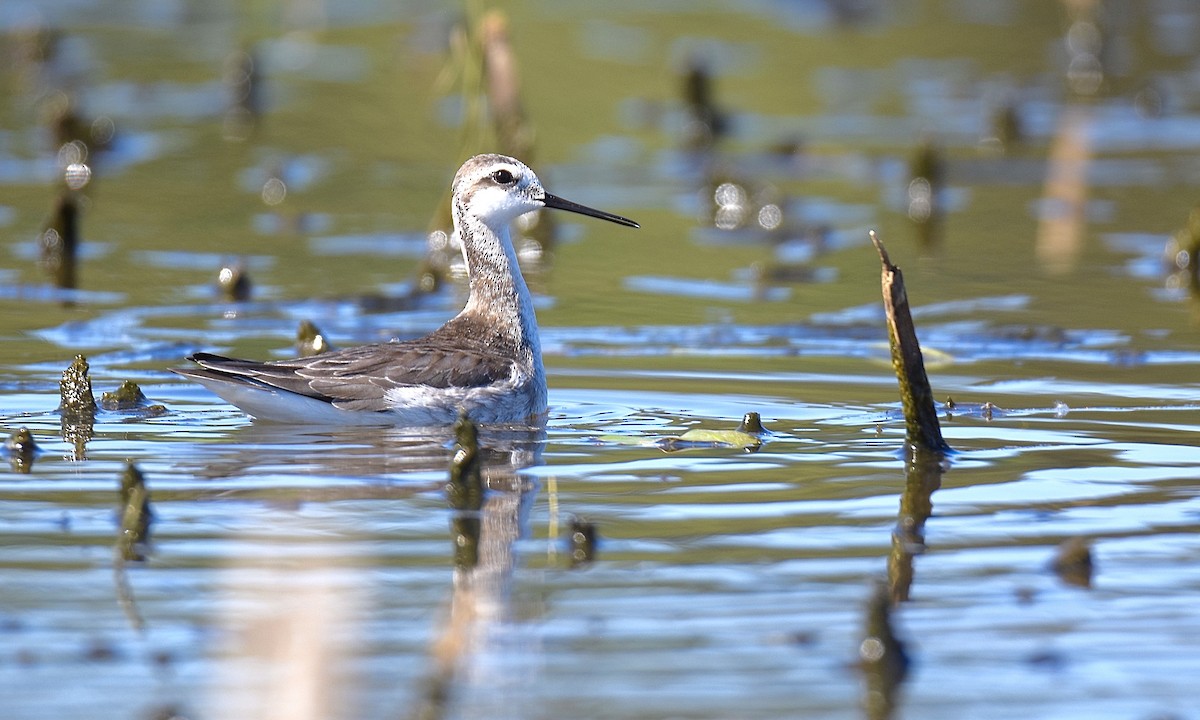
(498, 293)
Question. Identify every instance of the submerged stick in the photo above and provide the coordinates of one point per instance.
(77, 406)
(75, 391)
(920, 416)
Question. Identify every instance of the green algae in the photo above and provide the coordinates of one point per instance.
(748, 436)
(703, 438)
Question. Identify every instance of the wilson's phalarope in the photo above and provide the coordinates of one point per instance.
(487, 360)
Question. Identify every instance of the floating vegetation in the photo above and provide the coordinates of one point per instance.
(310, 340)
(1073, 562)
(582, 536)
(464, 493)
(701, 438)
(920, 415)
(129, 397)
(711, 438)
(22, 449)
(882, 657)
(135, 515)
(748, 436)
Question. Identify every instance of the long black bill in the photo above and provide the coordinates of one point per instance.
(554, 201)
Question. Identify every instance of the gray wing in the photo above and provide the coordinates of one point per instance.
(358, 378)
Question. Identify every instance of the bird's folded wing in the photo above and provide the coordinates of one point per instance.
(359, 377)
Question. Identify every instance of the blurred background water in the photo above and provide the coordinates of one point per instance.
(1032, 167)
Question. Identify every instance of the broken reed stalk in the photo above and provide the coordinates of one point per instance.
(920, 416)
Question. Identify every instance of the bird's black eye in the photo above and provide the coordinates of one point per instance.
(503, 177)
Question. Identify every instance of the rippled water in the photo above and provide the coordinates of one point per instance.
(310, 571)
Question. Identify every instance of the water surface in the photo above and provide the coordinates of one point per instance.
(310, 572)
